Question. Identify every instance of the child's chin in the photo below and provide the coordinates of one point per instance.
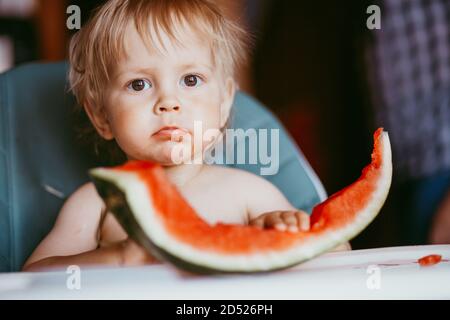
(173, 153)
(170, 153)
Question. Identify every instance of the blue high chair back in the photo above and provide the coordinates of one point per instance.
(40, 165)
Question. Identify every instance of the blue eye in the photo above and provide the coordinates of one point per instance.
(139, 85)
(191, 80)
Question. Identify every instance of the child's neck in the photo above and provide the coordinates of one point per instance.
(181, 175)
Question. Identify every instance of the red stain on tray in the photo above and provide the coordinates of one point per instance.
(430, 260)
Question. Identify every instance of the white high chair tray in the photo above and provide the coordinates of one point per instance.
(384, 273)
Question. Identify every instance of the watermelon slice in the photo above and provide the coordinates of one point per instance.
(154, 214)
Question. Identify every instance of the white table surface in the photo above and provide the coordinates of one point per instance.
(340, 275)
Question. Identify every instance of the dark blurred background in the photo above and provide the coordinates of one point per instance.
(331, 81)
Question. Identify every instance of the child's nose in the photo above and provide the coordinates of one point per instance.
(167, 101)
(168, 107)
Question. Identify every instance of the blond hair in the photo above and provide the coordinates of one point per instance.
(96, 48)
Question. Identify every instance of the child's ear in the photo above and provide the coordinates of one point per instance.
(227, 102)
(99, 120)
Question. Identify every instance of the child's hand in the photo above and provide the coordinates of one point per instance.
(133, 254)
(292, 221)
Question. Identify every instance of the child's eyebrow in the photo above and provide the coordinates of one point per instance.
(193, 66)
(151, 70)
(134, 70)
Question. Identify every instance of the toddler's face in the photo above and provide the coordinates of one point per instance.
(152, 90)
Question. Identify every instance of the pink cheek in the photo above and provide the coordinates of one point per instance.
(129, 128)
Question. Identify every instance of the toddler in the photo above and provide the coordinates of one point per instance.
(144, 71)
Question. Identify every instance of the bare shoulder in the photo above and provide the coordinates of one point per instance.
(81, 212)
(85, 201)
(260, 194)
(87, 192)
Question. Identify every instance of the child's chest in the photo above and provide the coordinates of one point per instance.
(214, 204)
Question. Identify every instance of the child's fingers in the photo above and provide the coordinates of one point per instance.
(135, 255)
(274, 220)
(303, 220)
(258, 222)
(296, 220)
(290, 219)
(149, 259)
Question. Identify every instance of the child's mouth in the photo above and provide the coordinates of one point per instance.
(171, 133)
